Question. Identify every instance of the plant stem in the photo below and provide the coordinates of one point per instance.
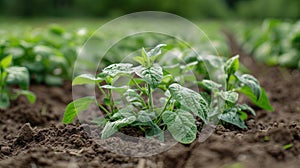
(165, 107)
(142, 128)
(150, 98)
(101, 90)
(111, 102)
(137, 85)
(103, 108)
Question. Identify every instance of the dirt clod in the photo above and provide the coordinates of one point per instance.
(6, 150)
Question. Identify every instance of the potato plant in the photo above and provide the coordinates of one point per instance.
(13, 75)
(48, 54)
(275, 42)
(181, 106)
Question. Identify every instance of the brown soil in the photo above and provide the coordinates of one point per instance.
(32, 135)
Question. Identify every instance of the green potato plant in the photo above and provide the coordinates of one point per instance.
(275, 42)
(13, 75)
(181, 106)
(47, 54)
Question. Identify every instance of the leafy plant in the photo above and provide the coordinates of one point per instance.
(233, 112)
(48, 54)
(180, 107)
(13, 75)
(275, 42)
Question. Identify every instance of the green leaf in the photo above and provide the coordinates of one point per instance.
(211, 85)
(231, 116)
(144, 116)
(76, 107)
(191, 100)
(112, 127)
(86, 79)
(154, 131)
(124, 113)
(29, 95)
(140, 60)
(243, 115)
(53, 80)
(19, 76)
(148, 58)
(245, 107)
(287, 146)
(152, 76)
(263, 102)
(156, 50)
(6, 61)
(117, 69)
(181, 125)
(4, 100)
(229, 96)
(232, 65)
(132, 96)
(100, 121)
(117, 88)
(251, 82)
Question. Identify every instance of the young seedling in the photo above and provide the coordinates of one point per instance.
(181, 105)
(12, 75)
(236, 83)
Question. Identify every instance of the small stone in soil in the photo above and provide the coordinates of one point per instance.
(6, 150)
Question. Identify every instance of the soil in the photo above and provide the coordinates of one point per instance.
(33, 136)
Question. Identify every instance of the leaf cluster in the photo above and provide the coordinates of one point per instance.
(13, 75)
(181, 106)
(47, 54)
(274, 42)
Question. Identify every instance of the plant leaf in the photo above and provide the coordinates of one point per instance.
(4, 100)
(100, 121)
(154, 131)
(132, 96)
(152, 76)
(232, 65)
(190, 100)
(112, 127)
(144, 116)
(245, 107)
(211, 85)
(19, 76)
(156, 50)
(86, 79)
(6, 61)
(29, 95)
(53, 80)
(251, 82)
(263, 102)
(232, 117)
(124, 113)
(140, 60)
(229, 96)
(76, 107)
(117, 69)
(117, 88)
(181, 125)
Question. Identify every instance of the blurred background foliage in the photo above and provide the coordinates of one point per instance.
(193, 9)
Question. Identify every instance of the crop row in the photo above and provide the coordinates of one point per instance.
(275, 42)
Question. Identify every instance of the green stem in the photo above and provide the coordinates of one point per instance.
(150, 99)
(104, 109)
(142, 128)
(101, 90)
(227, 83)
(165, 107)
(138, 86)
(111, 102)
